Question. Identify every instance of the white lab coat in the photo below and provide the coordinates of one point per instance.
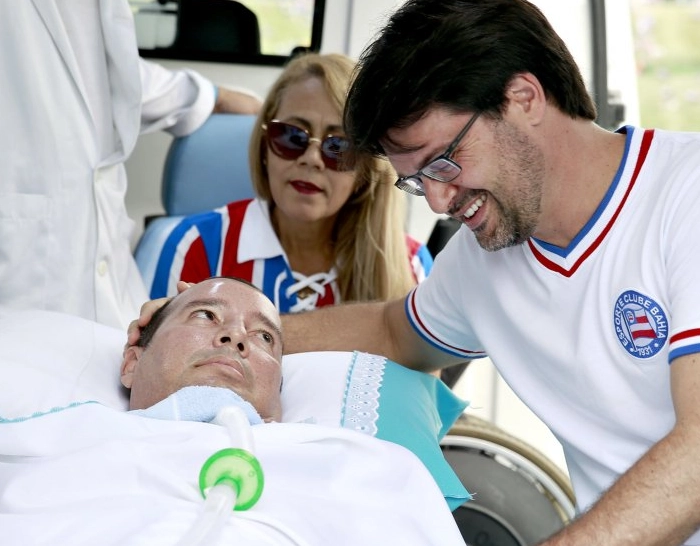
(64, 230)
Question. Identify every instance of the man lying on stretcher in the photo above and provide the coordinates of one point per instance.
(226, 334)
(87, 474)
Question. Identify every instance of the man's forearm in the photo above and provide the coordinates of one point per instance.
(346, 327)
(655, 503)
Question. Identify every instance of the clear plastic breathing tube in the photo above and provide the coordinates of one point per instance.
(231, 481)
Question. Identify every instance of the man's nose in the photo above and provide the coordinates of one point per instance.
(235, 338)
(439, 195)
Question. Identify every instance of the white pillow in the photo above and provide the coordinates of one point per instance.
(51, 360)
(376, 396)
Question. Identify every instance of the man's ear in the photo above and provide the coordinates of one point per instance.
(525, 93)
(132, 355)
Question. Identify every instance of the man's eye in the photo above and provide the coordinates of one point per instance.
(266, 337)
(204, 313)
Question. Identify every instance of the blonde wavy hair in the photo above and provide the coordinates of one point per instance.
(369, 238)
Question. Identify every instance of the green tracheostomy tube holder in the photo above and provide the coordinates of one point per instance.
(237, 468)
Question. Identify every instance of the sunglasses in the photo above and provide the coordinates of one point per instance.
(290, 142)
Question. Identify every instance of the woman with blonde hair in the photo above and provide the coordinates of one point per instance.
(321, 230)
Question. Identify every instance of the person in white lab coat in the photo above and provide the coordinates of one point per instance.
(74, 97)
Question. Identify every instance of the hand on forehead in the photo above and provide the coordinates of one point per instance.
(228, 292)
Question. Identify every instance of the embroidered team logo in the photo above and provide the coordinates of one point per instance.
(640, 324)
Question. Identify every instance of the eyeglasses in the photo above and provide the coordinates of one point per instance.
(290, 142)
(441, 169)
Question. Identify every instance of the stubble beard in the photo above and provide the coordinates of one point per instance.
(520, 172)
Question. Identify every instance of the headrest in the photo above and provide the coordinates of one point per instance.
(208, 168)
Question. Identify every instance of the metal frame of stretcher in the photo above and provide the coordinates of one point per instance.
(520, 496)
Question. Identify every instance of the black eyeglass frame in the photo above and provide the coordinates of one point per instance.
(414, 185)
(334, 162)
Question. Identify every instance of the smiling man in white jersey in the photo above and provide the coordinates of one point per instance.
(576, 270)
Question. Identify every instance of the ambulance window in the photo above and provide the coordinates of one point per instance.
(668, 63)
(263, 32)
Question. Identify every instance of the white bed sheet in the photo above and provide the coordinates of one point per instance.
(91, 475)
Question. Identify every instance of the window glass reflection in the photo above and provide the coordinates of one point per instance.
(255, 31)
